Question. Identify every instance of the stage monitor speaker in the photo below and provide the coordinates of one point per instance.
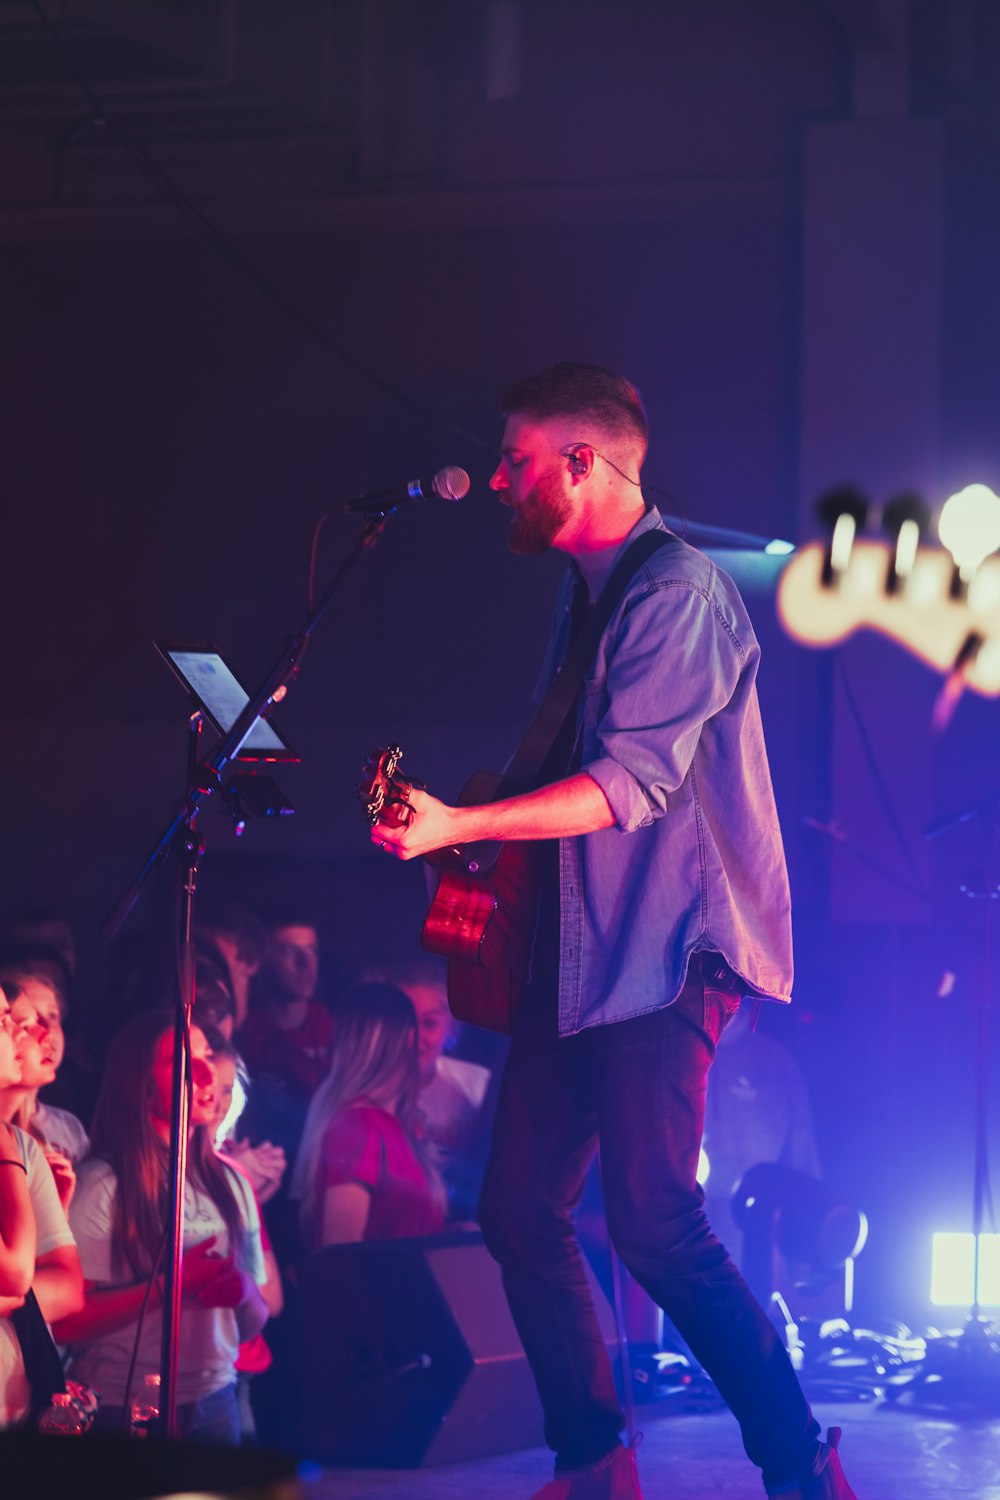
(411, 1357)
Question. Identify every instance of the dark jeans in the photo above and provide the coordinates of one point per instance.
(213, 1419)
(636, 1088)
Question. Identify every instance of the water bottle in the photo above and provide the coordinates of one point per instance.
(146, 1407)
(62, 1416)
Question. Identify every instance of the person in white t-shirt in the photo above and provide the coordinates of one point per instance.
(117, 1216)
(36, 1244)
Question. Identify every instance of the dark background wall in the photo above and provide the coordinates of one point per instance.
(456, 194)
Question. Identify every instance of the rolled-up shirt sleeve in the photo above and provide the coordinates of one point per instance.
(675, 661)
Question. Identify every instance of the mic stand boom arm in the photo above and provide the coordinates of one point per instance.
(208, 775)
(182, 839)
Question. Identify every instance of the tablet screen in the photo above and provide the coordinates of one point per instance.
(222, 697)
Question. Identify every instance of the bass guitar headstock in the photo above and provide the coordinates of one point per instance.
(940, 607)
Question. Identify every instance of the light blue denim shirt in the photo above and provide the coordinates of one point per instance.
(672, 734)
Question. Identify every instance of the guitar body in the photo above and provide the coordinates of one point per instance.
(482, 919)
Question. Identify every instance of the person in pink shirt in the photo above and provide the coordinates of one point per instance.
(358, 1176)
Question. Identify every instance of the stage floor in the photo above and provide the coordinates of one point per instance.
(888, 1453)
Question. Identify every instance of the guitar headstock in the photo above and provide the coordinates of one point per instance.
(915, 594)
(384, 793)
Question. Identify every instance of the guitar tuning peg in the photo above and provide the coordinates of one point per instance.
(906, 521)
(906, 506)
(969, 526)
(843, 499)
(843, 511)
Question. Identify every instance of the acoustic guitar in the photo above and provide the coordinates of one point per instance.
(482, 917)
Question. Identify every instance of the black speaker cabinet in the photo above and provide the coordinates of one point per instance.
(411, 1357)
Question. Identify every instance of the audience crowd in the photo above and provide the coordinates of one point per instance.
(319, 1115)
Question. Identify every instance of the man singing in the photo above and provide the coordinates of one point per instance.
(664, 900)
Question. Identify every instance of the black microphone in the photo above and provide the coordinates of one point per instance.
(451, 483)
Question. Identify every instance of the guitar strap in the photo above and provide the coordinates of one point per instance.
(529, 757)
(42, 1365)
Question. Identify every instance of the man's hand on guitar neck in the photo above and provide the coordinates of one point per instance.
(562, 810)
(429, 827)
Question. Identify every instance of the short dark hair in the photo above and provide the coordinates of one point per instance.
(213, 993)
(222, 914)
(608, 401)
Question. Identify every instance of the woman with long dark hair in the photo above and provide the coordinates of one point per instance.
(358, 1174)
(119, 1218)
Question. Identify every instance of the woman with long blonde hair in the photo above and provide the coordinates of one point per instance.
(358, 1173)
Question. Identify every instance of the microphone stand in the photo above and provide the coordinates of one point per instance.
(182, 839)
(965, 1367)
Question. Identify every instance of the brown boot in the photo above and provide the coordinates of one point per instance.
(825, 1480)
(613, 1477)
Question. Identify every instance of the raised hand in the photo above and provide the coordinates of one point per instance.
(211, 1279)
(199, 1266)
(264, 1164)
(64, 1174)
(229, 1288)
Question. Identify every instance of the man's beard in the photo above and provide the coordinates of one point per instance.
(539, 517)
